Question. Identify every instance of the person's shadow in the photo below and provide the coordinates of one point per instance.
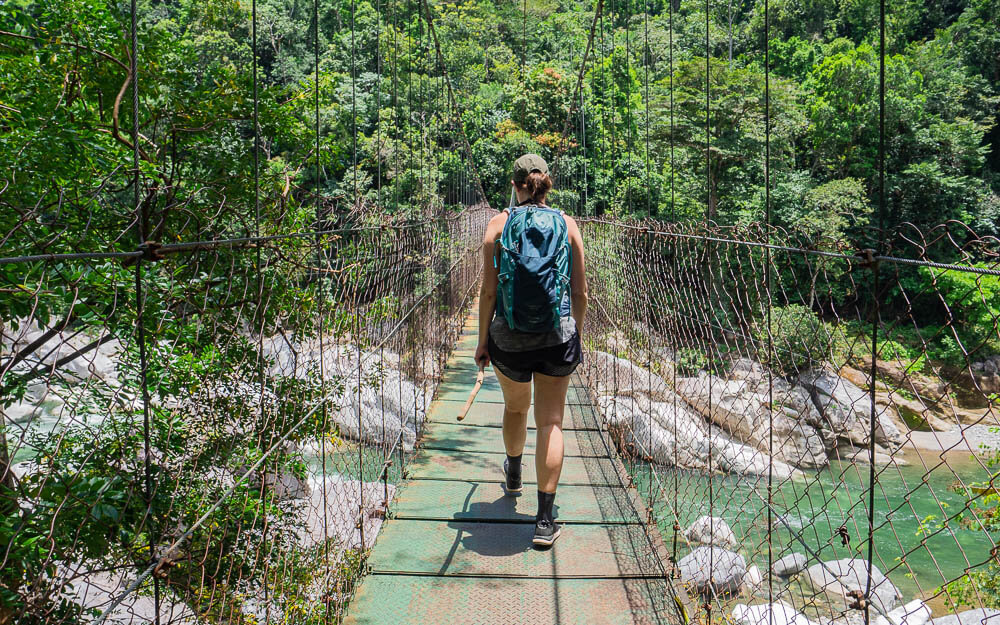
(491, 529)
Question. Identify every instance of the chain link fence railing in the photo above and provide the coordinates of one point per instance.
(207, 437)
(814, 429)
(228, 286)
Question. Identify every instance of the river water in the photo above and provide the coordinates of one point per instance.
(911, 546)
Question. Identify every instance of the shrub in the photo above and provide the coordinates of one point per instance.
(801, 339)
(973, 305)
(911, 358)
(690, 361)
(979, 587)
(947, 350)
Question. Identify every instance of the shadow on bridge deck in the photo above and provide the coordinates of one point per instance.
(458, 550)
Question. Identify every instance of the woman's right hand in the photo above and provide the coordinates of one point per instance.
(482, 356)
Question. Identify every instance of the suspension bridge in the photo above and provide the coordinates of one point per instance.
(245, 412)
(459, 548)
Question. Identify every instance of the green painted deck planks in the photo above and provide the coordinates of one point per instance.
(402, 600)
(458, 549)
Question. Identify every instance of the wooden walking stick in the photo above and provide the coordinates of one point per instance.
(472, 395)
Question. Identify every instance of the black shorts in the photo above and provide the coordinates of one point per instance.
(558, 360)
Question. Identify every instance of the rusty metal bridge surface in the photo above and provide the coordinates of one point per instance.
(458, 549)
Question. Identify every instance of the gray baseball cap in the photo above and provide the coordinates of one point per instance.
(527, 164)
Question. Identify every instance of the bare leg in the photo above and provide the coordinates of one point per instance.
(550, 404)
(516, 400)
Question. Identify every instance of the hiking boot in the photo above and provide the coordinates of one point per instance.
(512, 479)
(546, 533)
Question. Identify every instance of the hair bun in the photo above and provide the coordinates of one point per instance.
(538, 184)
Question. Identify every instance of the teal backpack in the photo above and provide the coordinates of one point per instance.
(533, 260)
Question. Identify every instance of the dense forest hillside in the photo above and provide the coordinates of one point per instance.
(387, 114)
(349, 116)
(514, 68)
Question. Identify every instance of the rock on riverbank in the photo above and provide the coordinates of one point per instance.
(677, 429)
(671, 435)
(789, 565)
(326, 510)
(778, 613)
(846, 409)
(915, 612)
(977, 616)
(739, 415)
(839, 578)
(614, 376)
(713, 570)
(376, 402)
(710, 530)
(740, 407)
(375, 395)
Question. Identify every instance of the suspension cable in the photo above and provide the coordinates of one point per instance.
(768, 304)
(524, 60)
(261, 380)
(674, 260)
(711, 308)
(583, 152)
(629, 139)
(876, 314)
(456, 111)
(139, 299)
(355, 207)
(396, 121)
(613, 152)
(602, 168)
(648, 56)
(578, 91)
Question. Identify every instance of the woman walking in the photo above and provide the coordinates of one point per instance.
(532, 305)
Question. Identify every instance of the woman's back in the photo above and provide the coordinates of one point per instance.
(532, 338)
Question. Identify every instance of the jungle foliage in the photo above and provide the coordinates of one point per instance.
(355, 126)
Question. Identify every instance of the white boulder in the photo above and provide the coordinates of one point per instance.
(665, 432)
(710, 530)
(977, 616)
(344, 499)
(744, 409)
(915, 612)
(779, 613)
(668, 433)
(376, 403)
(789, 565)
(839, 578)
(847, 408)
(382, 410)
(734, 457)
(609, 374)
(713, 571)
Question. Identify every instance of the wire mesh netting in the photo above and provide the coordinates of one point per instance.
(225, 323)
(242, 461)
(751, 422)
(217, 360)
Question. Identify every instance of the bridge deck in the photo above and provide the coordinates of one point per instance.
(458, 550)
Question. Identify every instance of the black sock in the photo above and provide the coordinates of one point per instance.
(514, 465)
(545, 501)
